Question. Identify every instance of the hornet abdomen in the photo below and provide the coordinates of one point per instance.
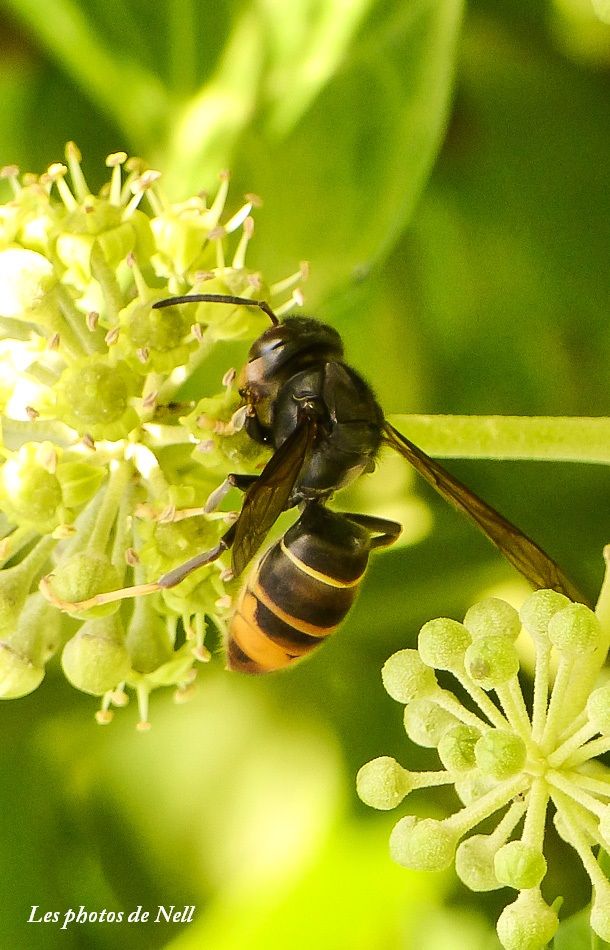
(299, 591)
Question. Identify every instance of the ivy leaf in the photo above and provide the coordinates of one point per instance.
(120, 85)
(343, 184)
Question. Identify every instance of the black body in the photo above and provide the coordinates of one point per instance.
(296, 367)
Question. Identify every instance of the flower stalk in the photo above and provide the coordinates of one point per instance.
(543, 438)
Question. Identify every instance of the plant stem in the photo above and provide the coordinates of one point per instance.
(550, 438)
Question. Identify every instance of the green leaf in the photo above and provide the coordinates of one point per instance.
(120, 86)
(276, 59)
(206, 129)
(375, 114)
(345, 181)
(308, 41)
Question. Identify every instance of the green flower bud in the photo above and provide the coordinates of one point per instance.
(14, 587)
(472, 785)
(442, 644)
(406, 677)
(24, 651)
(500, 754)
(538, 609)
(598, 709)
(31, 494)
(155, 339)
(80, 577)
(474, 863)
(426, 845)
(95, 660)
(25, 280)
(456, 748)
(383, 783)
(520, 865)
(15, 583)
(93, 398)
(148, 639)
(575, 630)
(528, 923)
(94, 216)
(491, 661)
(492, 616)
(18, 675)
(425, 722)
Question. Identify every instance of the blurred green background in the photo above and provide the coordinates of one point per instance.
(445, 171)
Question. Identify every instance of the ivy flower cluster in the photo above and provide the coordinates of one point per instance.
(506, 760)
(103, 469)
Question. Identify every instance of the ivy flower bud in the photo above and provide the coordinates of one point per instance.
(491, 661)
(15, 583)
(159, 334)
(181, 232)
(94, 237)
(598, 709)
(456, 748)
(82, 575)
(474, 863)
(79, 481)
(442, 644)
(14, 587)
(18, 675)
(472, 784)
(492, 616)
(500, 754)
(426, 845)
(148, 639)
(574, 630)
(520, 865)
(25, 650)
(528, 923)
(30, 494)
(95, 660)
(406, 677)
(383, 783)
(538, 609)
(426, 722)
(93, 398)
